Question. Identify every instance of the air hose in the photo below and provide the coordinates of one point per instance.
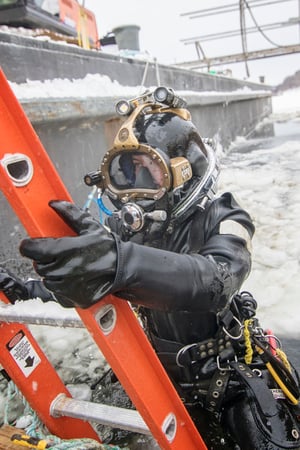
(279, 372)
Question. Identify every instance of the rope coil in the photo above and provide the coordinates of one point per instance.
(36, 429)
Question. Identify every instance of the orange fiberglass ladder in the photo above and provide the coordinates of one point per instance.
(29, 181)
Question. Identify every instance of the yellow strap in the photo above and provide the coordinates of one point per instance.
(280, 383)
(278, 380)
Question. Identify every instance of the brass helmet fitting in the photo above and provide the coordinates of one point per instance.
(172, 172)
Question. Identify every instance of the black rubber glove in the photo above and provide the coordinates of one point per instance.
(79, 270)
(13, 287)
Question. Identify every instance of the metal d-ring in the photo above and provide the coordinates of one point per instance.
(181, 351)
(230, 335)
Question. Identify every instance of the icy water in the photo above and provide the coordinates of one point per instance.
(264, 172)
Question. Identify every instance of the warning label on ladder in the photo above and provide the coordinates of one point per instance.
(23, 353)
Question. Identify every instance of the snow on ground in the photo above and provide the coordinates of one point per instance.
(95, 85)
(92, 85)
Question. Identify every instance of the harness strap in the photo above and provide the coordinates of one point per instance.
(186, 355)
(263, 396)
(216, 391)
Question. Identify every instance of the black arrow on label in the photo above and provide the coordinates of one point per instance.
(29, 361)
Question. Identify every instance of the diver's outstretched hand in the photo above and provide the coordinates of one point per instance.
(79, 270)
(12, 286)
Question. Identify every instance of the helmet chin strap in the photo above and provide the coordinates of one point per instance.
(133, 216)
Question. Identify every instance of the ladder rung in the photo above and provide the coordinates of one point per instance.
(115, 417)
(38, 316)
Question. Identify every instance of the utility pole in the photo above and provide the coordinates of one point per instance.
(244, 34)
(299, 17)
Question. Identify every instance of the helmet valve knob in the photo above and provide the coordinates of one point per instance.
(157, 216)
(93, 178)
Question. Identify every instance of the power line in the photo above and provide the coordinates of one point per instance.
(258, 27)
(229, 8)
(216, 10)
(227, 34)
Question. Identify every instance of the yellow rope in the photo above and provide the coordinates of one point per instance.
(280, 353)
(249, 350)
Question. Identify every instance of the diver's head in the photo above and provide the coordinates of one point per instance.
(159, 168)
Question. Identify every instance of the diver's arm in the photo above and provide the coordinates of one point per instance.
(82, 269)
(165, 280)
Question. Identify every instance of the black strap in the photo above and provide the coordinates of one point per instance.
(216, 391)
(187, 355)
(263, 396)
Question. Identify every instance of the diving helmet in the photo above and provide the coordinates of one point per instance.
(159, 168)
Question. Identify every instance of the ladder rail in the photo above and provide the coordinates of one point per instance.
(63, 406)
(26, 364)
(124, 343)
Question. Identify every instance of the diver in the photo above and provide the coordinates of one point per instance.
(179, 253)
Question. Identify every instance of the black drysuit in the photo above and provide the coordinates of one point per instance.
(183, 288)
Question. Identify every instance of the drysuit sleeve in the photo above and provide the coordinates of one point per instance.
(168, 281)
(82, 269)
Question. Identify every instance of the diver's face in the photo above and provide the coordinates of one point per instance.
(144, 161)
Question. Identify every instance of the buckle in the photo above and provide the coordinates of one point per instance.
(182, 351)
(227, 367)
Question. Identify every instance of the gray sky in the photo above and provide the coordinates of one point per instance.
(163, 28)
